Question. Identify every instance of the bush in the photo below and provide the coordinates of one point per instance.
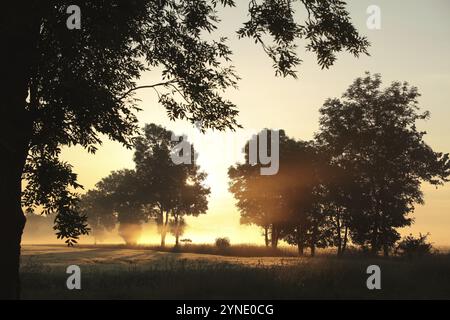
(222, 243)
(413, 247)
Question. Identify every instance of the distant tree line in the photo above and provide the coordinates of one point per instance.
(358, 181)
(157, 189)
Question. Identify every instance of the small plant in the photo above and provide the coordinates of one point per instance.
(410, 246)
(222, 243)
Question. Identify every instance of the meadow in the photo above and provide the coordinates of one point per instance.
(114, 272)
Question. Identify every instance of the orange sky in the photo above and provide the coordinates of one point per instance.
(412, 45)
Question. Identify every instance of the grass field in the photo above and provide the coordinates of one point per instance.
(114, 272)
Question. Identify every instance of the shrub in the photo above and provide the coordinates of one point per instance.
(222, 243)
(410, 246)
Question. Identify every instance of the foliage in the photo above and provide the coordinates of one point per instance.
(156, 189)
(327, 30)
(222, 243)
(372, 135)
(81, 83)
(171, 190)
(360, 179)
(410, 246)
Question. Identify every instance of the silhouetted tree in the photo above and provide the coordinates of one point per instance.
(69, 87)
(259, 197)
(371, 134)
(119, 195)
(177, 228)
(192, 200)
(99, 209)
(173, 190)
(411, 247)
(286, 203)
(303, 172)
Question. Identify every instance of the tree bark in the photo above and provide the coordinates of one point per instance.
(314, 239)
(266, 235)
(344, 245)
(385, 250)
(177, 231)
(313, 250)
(164, 230)
(300, 244)
(274, 236)
(374, 241)
(301, 248)
(19, 32)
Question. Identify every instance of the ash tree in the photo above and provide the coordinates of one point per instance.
(259, 198)
(117, 199)
(371, 134)
(289, 204)
(171, 191)
(74, 87)
(99, 210)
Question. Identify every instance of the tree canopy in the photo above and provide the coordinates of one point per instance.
(156, 189)
(81, 82)
(372, 134)
(358, 180)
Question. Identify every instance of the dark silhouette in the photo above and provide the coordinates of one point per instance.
(412, 247)
(117, 199)
(357, 181)
(99, 209)
(259, 196)
(68, 87)
(171, 191)
(371, 134)
(158, 189)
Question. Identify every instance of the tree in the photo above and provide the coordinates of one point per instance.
(304, 175)
(69, 87)
(411, 247)
(172, 190)
(338, 203)
(192, 200)
(157, 188)
(177, 228)
(118, 198)
(371, 134)
(96, 205)
(259, 197)
(286, 203)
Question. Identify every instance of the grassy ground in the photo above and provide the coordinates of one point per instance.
(140, 273)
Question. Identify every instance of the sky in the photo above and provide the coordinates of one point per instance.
(412, 45)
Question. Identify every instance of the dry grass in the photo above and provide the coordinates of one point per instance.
(140, 273)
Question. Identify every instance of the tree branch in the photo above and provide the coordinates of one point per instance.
(147, 87)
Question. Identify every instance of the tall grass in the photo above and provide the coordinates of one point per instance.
(177, 278)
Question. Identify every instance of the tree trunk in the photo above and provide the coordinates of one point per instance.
(300, 245)
(13, 220)
(274, 238)
(338, 232)
(177, 231)
(300, 248)
(374, 241)
(164, 229)
(19, 33)
(163, 236)
(313, 249)
(344, 245)
(314, 239)
(11, 228)
(266, 235)
(385, 250)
